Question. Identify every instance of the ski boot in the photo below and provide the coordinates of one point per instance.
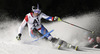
(62, 45)
(75, 47)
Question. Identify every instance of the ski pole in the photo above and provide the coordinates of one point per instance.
(76, 26)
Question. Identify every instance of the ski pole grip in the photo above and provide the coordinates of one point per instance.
(59, 19)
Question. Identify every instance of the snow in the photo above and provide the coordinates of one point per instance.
(71, 34)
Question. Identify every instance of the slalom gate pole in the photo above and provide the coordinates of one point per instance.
(76, 26)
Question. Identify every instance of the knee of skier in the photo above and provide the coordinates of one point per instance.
(33, 36)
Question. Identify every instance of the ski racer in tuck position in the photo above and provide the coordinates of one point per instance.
(33, 20)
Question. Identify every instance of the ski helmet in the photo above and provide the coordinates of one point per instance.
(36, 10)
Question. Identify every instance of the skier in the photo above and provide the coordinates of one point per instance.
(33, 19)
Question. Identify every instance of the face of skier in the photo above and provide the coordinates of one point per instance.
(98, 39)
(36, 14)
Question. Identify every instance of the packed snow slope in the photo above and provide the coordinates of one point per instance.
(69, 33)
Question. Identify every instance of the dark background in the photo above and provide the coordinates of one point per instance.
(61, 8)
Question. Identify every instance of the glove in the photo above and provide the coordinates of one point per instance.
(57, 18)
(18, 37)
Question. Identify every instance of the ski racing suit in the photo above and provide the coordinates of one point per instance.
(35, 22)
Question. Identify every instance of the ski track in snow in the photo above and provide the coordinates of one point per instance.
(71, 34)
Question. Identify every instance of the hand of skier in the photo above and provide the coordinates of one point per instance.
(18, 37)
(56, 18)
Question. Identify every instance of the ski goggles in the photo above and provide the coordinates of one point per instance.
(37, 11)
